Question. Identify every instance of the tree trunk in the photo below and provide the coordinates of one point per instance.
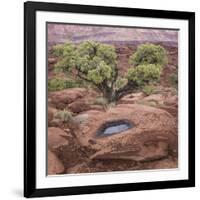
(108, 94)
(113, 95)
(127, 89)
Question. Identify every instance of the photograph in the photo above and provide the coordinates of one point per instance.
(112, 98)
(109, 98)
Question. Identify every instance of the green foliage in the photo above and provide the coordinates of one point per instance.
(58, 50)
(148, 61)
(148, 103)
(64, 116)
(95, 62)
(101, 73)
(174, 79)
(149, 54)
(144, 74)
(120, 83)
(67, 54)
(56, 84)
(71, 84)
(148, 89)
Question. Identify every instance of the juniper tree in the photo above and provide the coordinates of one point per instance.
(96, 63)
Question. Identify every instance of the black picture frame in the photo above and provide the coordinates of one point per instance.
(30, 9)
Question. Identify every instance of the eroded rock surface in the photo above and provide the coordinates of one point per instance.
(51, 112)
(55, 166)
(79, 106)
(56, 138)
(152, 137)
(150, 144)
(60, 99)
(132, 98)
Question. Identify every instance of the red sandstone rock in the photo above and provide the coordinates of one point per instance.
(55, 166)
(152, 137)
(56, 138)
(60, 99)
(79, 106)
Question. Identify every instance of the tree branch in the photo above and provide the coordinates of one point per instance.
(127, 89)
(115, 78)
(85, 79)
(98, 86)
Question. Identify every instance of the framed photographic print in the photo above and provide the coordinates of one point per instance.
(109, 99)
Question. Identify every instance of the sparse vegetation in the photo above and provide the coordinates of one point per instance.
(148, 89)
(113, 92)
(96, 63)
(174, 79)
(56, 84)
(100, 101)
(64, 115)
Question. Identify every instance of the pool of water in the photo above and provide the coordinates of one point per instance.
(114, 127)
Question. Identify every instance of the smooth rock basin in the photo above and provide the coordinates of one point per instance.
(114, 127)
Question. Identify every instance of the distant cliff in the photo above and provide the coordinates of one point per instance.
(59, 33)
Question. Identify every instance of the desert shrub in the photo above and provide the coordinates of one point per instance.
(144, 74)
(56, 84)
(104, 103)
(148, 103)
(71, 84)
(63, 115)
(101, 101)
(174, 79)
(110, 105)
(149, 54)
(148, 89)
